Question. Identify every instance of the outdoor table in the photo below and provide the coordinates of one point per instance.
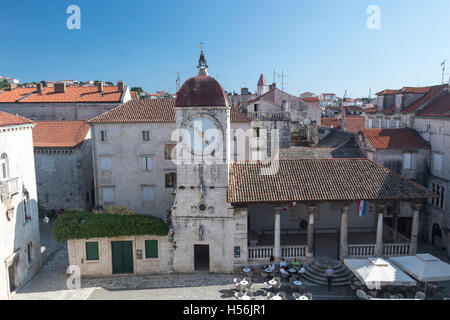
(293, 270)
(275, 298)
(297, 283)
(246, 297)
(244, 282)
(272, 282)
(246, 270)
(303, 298)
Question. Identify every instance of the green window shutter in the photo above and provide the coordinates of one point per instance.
(92, 251)
(151, 249)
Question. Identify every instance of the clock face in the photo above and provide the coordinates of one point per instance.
(202, 135)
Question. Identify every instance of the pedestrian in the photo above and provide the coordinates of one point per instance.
(301, 271)
(329, 273)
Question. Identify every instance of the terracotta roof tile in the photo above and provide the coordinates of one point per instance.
(328, 122)
(354, 123)
(433, 92)
(318, 180)
(416, 90)
(395, 139)
(72, 94)
(438, 108)
(311, 99)
(8, 119)
(150, 110)
(69, 134)
(387, 92)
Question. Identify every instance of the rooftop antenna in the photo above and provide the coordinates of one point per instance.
(443, 70)
(178, 82)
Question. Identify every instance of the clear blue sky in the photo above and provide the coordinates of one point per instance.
(323, 46)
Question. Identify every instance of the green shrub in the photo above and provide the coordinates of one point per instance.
(88, 225)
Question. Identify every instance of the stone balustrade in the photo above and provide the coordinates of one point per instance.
(265, 252)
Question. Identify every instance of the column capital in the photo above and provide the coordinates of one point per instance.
(344, 208)
(416, 206)
(311, 209)
(379, 208)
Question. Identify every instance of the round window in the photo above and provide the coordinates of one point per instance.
(202, 207)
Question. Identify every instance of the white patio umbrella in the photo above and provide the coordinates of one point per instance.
(378, 272)
(424, 267)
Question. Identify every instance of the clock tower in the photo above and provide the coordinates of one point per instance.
(202, 219)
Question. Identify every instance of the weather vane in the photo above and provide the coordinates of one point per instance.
(201, 45)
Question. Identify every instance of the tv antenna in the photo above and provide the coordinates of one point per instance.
(443, 70)
(178, 82)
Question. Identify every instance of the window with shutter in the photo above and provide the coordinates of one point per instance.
(92, 251)
(151, 249)
(147, 164)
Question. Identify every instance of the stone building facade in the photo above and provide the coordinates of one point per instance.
(63, 160)
(20, 249)
(62, 102)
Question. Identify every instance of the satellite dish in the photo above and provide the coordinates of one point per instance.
(307, 121)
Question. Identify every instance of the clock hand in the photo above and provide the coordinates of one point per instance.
(201, 134)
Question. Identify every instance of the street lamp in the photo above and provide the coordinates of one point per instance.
(46, 220)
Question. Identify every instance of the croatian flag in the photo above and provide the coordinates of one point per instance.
(362, 208)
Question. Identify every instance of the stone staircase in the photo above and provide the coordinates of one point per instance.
(315, 273)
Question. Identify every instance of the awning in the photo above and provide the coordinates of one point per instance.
(378, 272)
(424, 267)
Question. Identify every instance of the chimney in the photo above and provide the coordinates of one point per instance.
(244, 95)
(272, 86)
(100, 86)
(60, 87)
(121, 86)
(12, 86)
(39, 87)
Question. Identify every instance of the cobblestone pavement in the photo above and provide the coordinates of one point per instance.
(50, 284)
(48, 244)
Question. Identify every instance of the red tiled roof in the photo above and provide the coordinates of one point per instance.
(433, 92)
(417, 90)
(318, 180)
(371, 110)
(149, 110)
(354, 123)
(11, 96)
(8, 119)
(134, 95)
(328, 122)
(201, 91)
(395, 139)
(53, 134)
(72, 94)
(387, 92)
(438, 108)
(311, 99)
(262, 80)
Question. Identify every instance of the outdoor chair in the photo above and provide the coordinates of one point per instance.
(419, 295)
(308, 295)
(239, 295)
(264, 275)
(270, 295)
(285, 275)
(268, 286)
(296, 295)
(237, 285)
(282, 295)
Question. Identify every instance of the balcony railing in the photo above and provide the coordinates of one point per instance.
(269, 115)
(10, 186)
(361, 250)
(287, 252)
(368, 250)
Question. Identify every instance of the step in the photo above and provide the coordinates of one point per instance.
(337, 272)
(323, 278)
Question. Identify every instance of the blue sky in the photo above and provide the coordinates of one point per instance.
(323, 46)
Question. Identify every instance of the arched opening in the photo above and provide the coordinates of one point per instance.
(4, 166)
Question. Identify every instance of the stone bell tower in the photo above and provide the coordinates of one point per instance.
(201, 217)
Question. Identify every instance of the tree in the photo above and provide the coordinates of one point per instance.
(137, 89)
(44, 83)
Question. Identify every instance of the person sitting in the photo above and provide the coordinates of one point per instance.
(285, 272)
(270, 267)
(295, 264)
(283, 263)
(301, 271)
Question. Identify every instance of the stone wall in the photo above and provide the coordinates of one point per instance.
(16, 232)
(103, 266)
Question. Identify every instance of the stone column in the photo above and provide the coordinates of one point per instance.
(379, 243)
(415, 227)
(344, 231)
(310, 244)
(277, 240)
(395, 213)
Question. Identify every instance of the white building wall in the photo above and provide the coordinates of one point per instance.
(16, 233)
